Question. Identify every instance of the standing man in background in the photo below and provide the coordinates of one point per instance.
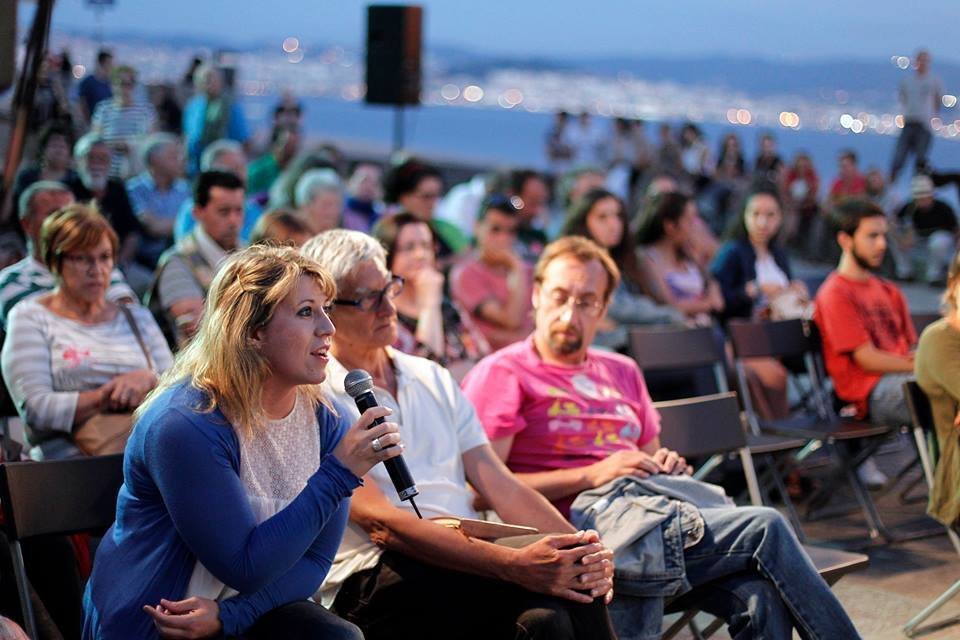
(920, 96)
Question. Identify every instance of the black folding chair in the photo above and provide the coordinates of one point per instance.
(925, 435)
(58, 497)
(797, 340)
(672, 349)
(922, 320)
(712, 426)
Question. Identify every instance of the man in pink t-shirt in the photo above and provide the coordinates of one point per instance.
(568, 419)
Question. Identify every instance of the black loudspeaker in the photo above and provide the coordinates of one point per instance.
(394, 36)
(8, 43)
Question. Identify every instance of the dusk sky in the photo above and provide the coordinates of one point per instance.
(814, 29)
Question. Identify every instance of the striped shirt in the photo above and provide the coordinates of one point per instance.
(117, 123)
(48, 360)
(28, 278)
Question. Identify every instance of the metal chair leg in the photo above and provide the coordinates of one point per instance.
(911, 628)
(23, 590)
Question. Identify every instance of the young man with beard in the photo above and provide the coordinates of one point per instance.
(578, 425)
(868, 337)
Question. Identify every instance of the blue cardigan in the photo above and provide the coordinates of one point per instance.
(182, 501)
(734, 266)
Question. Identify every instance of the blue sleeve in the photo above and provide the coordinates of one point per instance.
(184, 222)
(238, 124)
(728, 272)
(192, 463)
(299, 583)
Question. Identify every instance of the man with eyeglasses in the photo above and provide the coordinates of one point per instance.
(397, 576)
(493, 285)
(578, 425)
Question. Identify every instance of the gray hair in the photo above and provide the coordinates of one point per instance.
(215, 149)
(201, 73)
(41, 186)
(86, 142)
(313, 182)
(341, 251)
(154, 143)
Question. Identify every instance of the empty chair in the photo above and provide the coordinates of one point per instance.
(56, 497)
(796, 339)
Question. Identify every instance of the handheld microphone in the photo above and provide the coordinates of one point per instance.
(359, 385)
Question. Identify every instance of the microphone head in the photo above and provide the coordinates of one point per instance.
(357, 382)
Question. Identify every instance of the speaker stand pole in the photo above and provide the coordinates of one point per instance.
(398, 129)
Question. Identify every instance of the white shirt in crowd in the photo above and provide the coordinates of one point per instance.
(438, 425)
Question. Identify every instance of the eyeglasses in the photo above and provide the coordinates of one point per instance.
(589, 305)
(373, 300)
(87, 261)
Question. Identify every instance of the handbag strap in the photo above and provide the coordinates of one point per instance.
(125, 310)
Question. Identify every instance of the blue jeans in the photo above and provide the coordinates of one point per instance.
(750, 570)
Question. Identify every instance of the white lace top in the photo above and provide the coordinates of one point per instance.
(275, 465)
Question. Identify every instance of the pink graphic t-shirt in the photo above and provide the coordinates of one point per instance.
(561, 417)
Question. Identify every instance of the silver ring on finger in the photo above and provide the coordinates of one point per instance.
(377, 447)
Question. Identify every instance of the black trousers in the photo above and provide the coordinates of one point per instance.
(405, 598)
(303, 620)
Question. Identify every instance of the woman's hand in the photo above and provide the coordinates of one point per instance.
(428, 283)
(363, 446)
(190, 618)
(671, 462)
(129, 389)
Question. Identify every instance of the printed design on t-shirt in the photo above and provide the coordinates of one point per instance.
(883, 324)
(74, 356)
(588, 427)
(585, 386)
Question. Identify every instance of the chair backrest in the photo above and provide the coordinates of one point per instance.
(922, 320)
(701, 426)
(674, 348)
(777, 339)
(920, 412)
(60, 496)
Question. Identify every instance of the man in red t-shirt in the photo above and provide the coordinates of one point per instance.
(850, 183)
(868, 337)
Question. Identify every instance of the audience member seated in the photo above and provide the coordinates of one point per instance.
(282, 192)
(284, 146)
(124, 123)
(364, 205)
(52, 161)
(318, 197)
(430, 325)
(397, 576)
(600, 216)
(530, 195)
(211, 114)
(91, 156)
(185, 271)
(849, 183)
(578, 425)
(157, 195)
(493, 285)
(280, 226)
(239, 472)
(801, 197)
(867, 334)
(222, 155)
(934, 226)
(673, 277)
(71, 356)
(417, 187)
(753, 270)
(30, 276)
(702, 245)
(937, 368)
